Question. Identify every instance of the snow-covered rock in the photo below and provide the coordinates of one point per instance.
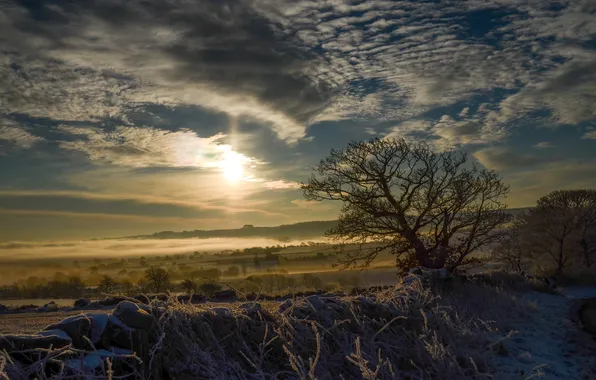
(135, 315)
(77, 327)
(82, 302)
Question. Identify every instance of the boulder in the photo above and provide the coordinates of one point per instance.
(44, 340)
(587, 315)
(222, 312)
(99, 335)
(51, 306)
(82, 302)
(224, 295)
(195, 298)
(134, 315)
(78, 327)
(124, 337)
(113, 300)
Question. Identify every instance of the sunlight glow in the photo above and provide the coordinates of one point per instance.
(233, 166)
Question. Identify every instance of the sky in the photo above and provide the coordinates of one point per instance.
(124, 117)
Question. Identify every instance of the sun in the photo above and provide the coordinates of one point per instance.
(232, 167)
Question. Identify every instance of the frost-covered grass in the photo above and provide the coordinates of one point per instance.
(406, 332)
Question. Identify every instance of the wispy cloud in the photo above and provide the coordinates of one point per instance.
(590, 134)
(544, 144)
(18, 137)
(281, 184)
(150, 147)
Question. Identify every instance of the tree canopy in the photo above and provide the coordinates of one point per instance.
(429, 208)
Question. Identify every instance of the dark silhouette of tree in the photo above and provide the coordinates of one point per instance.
(514, 250)
(127, 285)
(209, 289)
(562, 228)
(429, 209)
(233, 271)
(107, 284)
(158, 279)
(143, 285)
(189, 285)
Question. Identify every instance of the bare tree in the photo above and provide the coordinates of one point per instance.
(158, 278)
(107, 284)
(514, 250)
(429, 207)
(562, 226)
(190, 285)
(128, 286)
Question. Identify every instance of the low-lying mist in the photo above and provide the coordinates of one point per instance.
(121, 248)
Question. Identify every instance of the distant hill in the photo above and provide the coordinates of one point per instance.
(284, 232)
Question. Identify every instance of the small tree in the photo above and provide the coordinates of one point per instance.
(143, 285)
(209, 289)
(127, 285)
(107, 284)
(157, 278)
(233, 271)
(427, 208)
(190, 285)
(515, 250)
(562, 228)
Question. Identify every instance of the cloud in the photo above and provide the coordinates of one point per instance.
(501, 158)
(18, 137)
(224, 55)
(531, 184)
(281, 184)
(151, 147)
(590, 134)
(122, 201)
(290, 64)
(544, 144)
(448, 133)
(311, 205)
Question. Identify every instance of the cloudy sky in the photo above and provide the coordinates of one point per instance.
(120, 117)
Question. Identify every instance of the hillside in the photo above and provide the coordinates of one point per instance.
(304, 230)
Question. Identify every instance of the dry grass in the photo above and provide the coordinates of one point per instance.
(406, 332)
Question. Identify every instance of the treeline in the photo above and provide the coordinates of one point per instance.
(282, 233)
(557, 237)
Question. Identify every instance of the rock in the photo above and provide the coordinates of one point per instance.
(89, 362)
(98, 335)
(78, 327)
(224, 295)
(51, 306)
(222, 312)
(127, 338)
(113, 300)
(45, 340)
(316, 302)
(82, 302)
(134, 315)
(587, 315)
